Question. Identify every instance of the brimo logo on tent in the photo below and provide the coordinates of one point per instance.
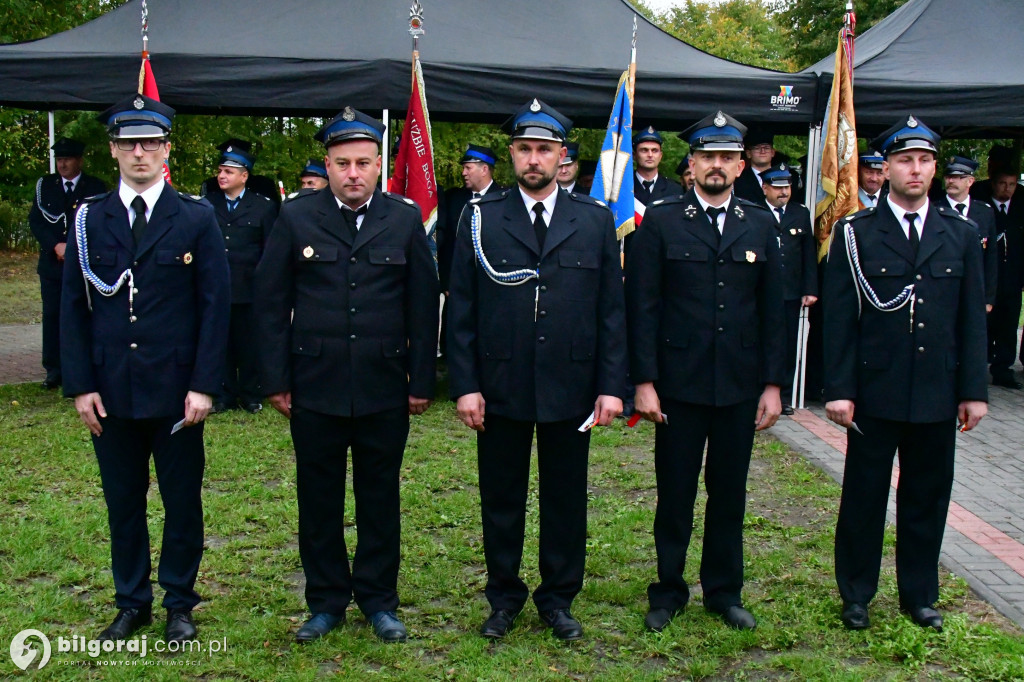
(23, 654)
(785, 99)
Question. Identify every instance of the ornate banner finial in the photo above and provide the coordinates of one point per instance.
(145, 29)
(416, 19)
(634, 31)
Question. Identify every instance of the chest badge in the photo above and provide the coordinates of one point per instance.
(690, 211)
(792, 230)
(187, 258)
(751, 256)
(307, 252)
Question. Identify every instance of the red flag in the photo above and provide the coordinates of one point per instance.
(414, 165)
(147, 87)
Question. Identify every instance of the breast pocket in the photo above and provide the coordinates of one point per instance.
(387, 256)
(687, 265)
(103, 262)
(578, 270)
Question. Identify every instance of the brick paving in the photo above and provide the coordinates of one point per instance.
(984, 539)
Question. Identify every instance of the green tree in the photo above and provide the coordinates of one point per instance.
(815, 24)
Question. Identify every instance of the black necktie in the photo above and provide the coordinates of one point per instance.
(780, 211)
(961, 208)
(350, 219)
(540, 228)
(69, 187)
(476, 195)
(233, 204)
(1002, 208)
(648, 184)
(874, 199)
(915, 239)
(713, 214)
(139, 224)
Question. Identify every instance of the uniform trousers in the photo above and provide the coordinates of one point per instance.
(49, 289)
(321, 444)
(503, 457)
(1002, 332)
(242, 382)
(926, 454)
(728, 432)
(123, 451)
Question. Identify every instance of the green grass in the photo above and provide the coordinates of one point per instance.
(19, 288)
(54, 559)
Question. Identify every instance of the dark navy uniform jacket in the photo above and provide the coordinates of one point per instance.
(178, 340)
(798, 252)
(363, 337)
(662, 187)
(984, 216)
(56, 202)
(553, 368)
(706, 316)
(891, 368)
(246, 230)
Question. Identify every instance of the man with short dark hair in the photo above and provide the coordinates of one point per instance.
(706, 345)
(569, 168)
(245, 218)
(50, 219)
(537, 340)
(314, 175)
(144, 322)
(648, 184)
(760, 150)
(347, 324)
(904, 308)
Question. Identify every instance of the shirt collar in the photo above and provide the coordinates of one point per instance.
(643, 179)
(74, 181)
(966, 202)
(238, 198)
(704, 205)
(366, 205)
(571, 187)
(901, 212)
(127, 195)
(548, 201)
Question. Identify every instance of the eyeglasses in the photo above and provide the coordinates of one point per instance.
(755, 148)
(148, 145)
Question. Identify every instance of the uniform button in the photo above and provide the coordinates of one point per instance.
(135, 264)
(353, 337)
(686, 255)
(920, 325)
(543, 313)
(135, 291)
(352, 285)
(541, 340)
(720, 330)
(883, 269)
(387, 259)
(721, 306)
(353, 259)
(225, 250)
(226, 237)
(133, 318)
(504, 261)
(543, 287)
(919, 278)
(721, 261)
(134, 346)
(721, 285)
(920, 349)
(920, 300)
(352, 310)
(948, 270)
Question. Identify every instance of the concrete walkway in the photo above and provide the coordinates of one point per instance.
(21, 353)
(984, 540)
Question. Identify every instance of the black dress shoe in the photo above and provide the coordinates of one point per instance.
(127, 623)
(387, 627)
(253, 408)
(657, 619)
(318, 626)
(738, 617)
(562, 624)
(50, 383)
(498, 623)
(180, 627)
(788, 410)
(926, 617)
(855, 616)
(1007, 382)
(218, 407)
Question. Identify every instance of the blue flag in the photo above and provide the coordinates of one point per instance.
(613, 179)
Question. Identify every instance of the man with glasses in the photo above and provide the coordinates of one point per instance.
(760, 151)
(143, 335)
(958, 180)
(53, 210)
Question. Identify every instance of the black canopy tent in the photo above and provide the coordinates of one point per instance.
(958, 65)
(481, 60)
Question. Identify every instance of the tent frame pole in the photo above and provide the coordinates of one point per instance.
(813, 168)
(53, 159)
(385, 151)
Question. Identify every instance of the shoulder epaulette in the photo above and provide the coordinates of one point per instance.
(864, 213)
(192, 197)
(399, 198)
(94, 198)
(947, 212)
(667, 200)
(749, 204)
(586, 199)
(490, 196)
(302, 194)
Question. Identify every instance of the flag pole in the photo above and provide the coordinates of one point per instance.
(632, 93)
(145, 45)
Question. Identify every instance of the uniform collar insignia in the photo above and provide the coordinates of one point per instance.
(690, 211)
(739, 212)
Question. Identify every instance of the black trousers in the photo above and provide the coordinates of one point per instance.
(792, 332)
(503, 457)
(49, 289)
(678, 454)
(1002, 332)
(242, 382)
(123, 451)
(321, 443)
(922, 499)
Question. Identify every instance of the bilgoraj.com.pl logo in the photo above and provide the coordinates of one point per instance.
(33, 648)
(24, 653)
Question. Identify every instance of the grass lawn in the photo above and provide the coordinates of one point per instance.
(54, 559)
(19, 288)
